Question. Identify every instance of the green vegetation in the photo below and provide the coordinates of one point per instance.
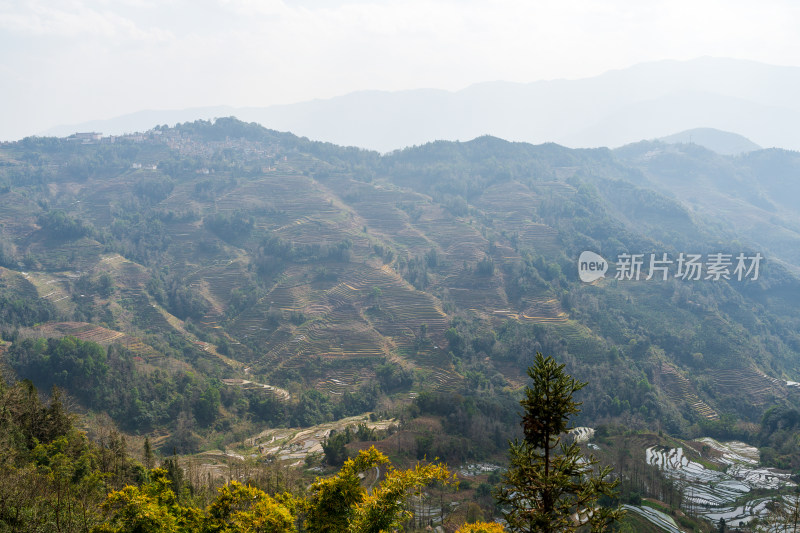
(219, 279)
(55, 479)
(550, 486)
(334, 447)
(58, 225)
(335, 504)
(15, 312)
(778, 440)
(230, 227)
(108, 380)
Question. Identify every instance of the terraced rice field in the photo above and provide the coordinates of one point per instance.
(82, 331)
(326, 233)
(511, 200)
(514, 208)
(52, 287)
(680, 390)
(540, 238)
(145, 314)
(489, 296)
(294, 195)
(447, 380)
(184, 238)
(758, 388)
(343, 334)
(378, 206)
(80, 255)
(126, 273)
(581, 342)
(342, 325)
(383, 217)
(94, 333)
(278, 392)
(98, 195)
(295, 444)
(17, 215)
(291, 293)
(654, 516)
(337, 382)
(403, 308)
(555, 188)
(717, 494)
(216, 281)
(459, 241)
(543, 310)
(469, 290)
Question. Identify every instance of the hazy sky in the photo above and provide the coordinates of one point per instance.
(69, 61)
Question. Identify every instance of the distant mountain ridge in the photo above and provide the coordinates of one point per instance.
(721, 142)
(646, 101)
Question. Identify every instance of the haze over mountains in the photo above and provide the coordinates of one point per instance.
(721, 142)
(646, 101)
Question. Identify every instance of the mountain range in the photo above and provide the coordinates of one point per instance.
(329, 281)
(646, 101)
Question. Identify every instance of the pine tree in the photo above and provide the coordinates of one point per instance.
(149, 457)
(550, 486)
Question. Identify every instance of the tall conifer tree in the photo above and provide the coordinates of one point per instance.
(550, 485)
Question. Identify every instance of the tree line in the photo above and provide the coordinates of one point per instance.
(55, 479)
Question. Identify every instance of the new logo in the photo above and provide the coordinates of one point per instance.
(591, 267)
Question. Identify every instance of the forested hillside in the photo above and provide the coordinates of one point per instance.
(202, 282)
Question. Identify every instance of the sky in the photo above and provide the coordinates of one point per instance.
(71, 61)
